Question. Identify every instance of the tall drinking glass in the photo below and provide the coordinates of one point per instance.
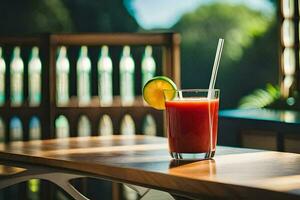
(192, 122)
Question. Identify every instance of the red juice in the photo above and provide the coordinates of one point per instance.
(189, 125)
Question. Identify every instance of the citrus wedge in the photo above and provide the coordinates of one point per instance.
(153, 91)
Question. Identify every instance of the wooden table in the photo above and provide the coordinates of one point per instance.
(234, 173)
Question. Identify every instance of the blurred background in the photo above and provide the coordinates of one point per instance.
(248, 74)
(250, 30)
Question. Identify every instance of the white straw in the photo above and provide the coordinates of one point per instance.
(215, 68)
(210, 90)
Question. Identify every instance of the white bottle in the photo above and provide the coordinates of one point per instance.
(16, 129)
(62, 77)
(34, 78)
(149, 125)
(2, 78)
(84, 126)
(16, 78)
(62, 127)
(2, 131)
(35, 129)
(127, 125)
(83, 77)
(127, 77)
(105, 89)
(106, 126)
(148, 66)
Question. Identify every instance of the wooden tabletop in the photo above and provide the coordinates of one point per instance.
(234, 173)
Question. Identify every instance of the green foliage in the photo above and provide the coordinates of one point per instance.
(34, 16)
(261, 97)
(249, 54)
(100, 16)
(237, 24)
(49, 16)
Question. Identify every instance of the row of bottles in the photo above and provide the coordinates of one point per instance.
(84, 127)
(17, 76)
(16, 129)
(105, 70)
(105, 126)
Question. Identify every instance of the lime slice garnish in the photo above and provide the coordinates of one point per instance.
(153, 91)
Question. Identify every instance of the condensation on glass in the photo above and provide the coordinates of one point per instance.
(127, 125)
(62, 127)
(84, 126)
(105, 125)
(149, 125)
(288, 33)
(16, 129)
(35, 129)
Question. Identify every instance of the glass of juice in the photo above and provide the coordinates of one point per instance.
(192, 122)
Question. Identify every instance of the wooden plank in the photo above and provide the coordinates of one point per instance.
(18, 40)
(291, 143)
(143, 160)
(112, 39)
(259, 139)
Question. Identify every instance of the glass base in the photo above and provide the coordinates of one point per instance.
(192, 156)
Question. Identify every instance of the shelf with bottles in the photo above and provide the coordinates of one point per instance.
(165, 52)
(142, 120)
(74, 119)
(110, 64)
(124, 75)
(20, 77)
(116, 82)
